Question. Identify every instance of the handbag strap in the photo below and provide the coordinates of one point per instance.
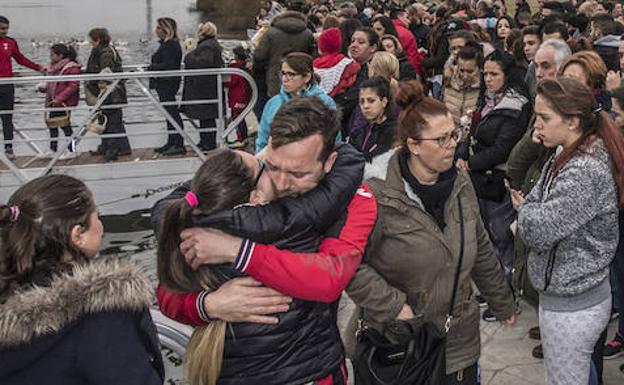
(449, 316)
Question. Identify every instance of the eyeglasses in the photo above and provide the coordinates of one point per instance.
(288, 75)
(263, 167)
(445, 141)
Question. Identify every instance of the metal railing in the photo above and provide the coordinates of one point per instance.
(147, 99)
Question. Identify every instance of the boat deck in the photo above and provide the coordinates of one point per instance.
(86, 158)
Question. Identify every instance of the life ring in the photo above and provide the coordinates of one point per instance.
(173, 337)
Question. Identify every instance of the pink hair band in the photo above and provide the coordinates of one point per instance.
(15, 213)
(191, 199)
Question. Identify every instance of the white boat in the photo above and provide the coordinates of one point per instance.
(137, 180)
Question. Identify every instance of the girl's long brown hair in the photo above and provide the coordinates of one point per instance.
(570, 98)
(222, 182)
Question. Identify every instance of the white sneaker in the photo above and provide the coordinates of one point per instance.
(68, 155)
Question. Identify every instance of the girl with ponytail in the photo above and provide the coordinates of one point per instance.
(570, 223)
(57, 302)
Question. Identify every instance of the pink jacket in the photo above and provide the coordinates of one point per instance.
(65, 92)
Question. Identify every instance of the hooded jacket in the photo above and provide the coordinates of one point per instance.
(409, 260)
(90, 325)
(337, 72)
(274, 104)
(288, 33)
(607, 48)
(67, 93)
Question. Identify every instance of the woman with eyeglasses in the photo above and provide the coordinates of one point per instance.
(569, 222)
(427, 212)
(502, 118)
(298, 79)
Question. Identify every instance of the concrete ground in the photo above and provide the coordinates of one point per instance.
(506, 352)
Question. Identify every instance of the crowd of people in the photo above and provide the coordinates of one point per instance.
(420, 160)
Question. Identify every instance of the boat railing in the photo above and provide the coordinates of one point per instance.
(141, 98)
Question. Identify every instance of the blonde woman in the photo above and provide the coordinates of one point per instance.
(168, 57)
(207, 54)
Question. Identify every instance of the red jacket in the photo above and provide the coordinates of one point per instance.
(9, 50)
(409, 46)
(65, 92)
(331, 268)
(336, 73)
(239, 90)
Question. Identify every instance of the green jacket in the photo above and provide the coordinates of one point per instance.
(410, 260)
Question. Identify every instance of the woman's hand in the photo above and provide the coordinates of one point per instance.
(517, 198)
(462, 165)
(406, 313)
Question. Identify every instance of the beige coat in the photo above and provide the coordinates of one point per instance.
(410, 260)
(460, 99)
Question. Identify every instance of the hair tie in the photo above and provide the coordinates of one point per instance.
(191, 199)
(15, 213)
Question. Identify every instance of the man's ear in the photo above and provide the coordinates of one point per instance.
(329, 163)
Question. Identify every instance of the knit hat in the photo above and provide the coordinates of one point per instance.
(330, 41)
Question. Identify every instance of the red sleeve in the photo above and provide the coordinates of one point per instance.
(320, 276)
(21, 59)
(179, 307)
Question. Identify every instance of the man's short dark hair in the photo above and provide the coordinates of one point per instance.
(4, 20)
(554, 27)
(531, 30)
(302, 117)
(604, 23)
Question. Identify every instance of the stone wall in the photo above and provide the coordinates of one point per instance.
(232, 17)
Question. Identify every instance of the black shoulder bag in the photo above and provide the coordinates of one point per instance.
(418, 360)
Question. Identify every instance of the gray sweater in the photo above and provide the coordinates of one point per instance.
(575, 218)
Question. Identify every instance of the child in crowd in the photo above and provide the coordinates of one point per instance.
(239, 91)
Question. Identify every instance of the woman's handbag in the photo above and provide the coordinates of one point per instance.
(417, 360)
(57, 119)
(97, 124)
(489, 184)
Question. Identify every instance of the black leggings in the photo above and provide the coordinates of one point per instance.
(7, 101)
(169, 95)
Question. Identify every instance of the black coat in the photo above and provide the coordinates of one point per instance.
(495, 137)
(406, 69)
(167, 57)
(101, 57)
(90, 326)
(206, 55)
(380, 139)
(305, 345)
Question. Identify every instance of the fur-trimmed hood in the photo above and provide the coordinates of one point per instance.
(98, 287)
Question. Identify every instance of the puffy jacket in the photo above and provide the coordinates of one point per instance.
(206, 55)
(102, 57)
(408, 260)
(288, 33)
(274, 104)
(409, 46)
(460, 99)
(305, 345)
(87, 326)
(167, 57)
(67, 93)
(8, 51)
